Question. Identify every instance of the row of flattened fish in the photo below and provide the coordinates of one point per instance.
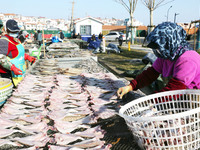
(57, 111)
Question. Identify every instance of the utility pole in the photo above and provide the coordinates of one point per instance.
(168, 12)
(71, 25)
(175, 17)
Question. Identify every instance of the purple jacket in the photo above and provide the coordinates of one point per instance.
(185, 69)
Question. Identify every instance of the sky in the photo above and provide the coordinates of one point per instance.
(186, 10)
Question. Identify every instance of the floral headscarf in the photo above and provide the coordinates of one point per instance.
(169, 39)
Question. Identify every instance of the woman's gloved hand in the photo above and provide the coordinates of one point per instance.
(124, 90)
(29, 58)
(16, 70)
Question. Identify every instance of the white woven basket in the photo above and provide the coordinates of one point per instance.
(166, 120)
(6, 88)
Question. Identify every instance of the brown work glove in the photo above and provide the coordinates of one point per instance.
(124, 90)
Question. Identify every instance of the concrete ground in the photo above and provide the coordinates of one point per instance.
(139, 42)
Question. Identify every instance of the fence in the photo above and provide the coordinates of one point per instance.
(49, 33)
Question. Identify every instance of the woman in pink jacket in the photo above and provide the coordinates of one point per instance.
(176, 60)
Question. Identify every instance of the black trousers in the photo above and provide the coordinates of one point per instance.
(120, 42)
(40, 42)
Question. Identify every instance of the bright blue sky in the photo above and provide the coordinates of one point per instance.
(189, 10)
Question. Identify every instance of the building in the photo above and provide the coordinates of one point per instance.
(88, 26)
(140, 31)
(29, 26)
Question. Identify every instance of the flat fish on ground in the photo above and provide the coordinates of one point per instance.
(92, 132)
(21, 121)
(88, 143)
(17, 100)
(73, 117)
(31, 148)
(34, 103)
(4, 123)
(38, 140)
(64, 139)
(67, 127)
(34, 128)
(7, 132)
(8, 144)
(55, 147)
(100, 147)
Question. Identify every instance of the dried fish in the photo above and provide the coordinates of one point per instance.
(38, 140)
(31, 148)
(92, 132)
(67, 127)
(88, 143)
(54, 147)
(73, 117)
(64, 139)
(34, 128)
(63, 104)
(21, 121)
(6, 144)
(8, 132)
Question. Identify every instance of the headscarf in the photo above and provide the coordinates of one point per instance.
(169, 41)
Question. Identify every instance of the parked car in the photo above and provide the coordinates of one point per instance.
(114, 36)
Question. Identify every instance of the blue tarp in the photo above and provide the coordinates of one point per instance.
(94, 44)
(85, 37)
(55, 39)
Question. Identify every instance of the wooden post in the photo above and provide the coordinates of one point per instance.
(104, 44)
(43, 41)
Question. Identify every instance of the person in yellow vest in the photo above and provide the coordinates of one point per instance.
(14, 50)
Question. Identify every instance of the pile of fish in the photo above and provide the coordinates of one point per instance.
(169, 132)
(90, 66)
(51, 67)
(64, 45)
(63, 49)
(59, 111)
(64, 53)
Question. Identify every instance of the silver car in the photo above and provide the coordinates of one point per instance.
(114, 36)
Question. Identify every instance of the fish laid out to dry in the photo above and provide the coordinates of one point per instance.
(88, 143)
(64, 139)
(57, 110)
(39, 140)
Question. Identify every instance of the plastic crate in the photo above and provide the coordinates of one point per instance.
(166, 120)
(6, 88)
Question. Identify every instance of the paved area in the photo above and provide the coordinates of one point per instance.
(138, 47)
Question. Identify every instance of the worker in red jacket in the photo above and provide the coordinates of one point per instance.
(4, 62)
(12, 47)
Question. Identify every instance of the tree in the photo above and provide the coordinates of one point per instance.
(130, 6)
(152, 5)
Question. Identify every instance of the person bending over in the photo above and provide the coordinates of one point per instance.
(176, 61)
(11, 47)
